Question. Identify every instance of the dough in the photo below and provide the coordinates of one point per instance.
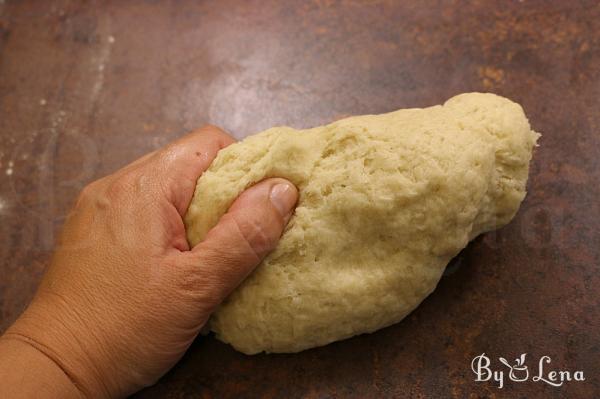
(385, 202)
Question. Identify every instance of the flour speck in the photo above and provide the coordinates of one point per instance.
(9, 170)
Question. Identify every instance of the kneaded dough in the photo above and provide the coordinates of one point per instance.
(385, 202)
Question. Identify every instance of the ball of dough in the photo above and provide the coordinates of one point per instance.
(385, 202)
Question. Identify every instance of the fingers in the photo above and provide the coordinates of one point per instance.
(243, 237)
(187, 158)
(178, 166)
(192, 154)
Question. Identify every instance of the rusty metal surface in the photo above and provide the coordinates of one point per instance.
(87, 87)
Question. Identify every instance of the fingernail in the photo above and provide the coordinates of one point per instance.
(283, 197)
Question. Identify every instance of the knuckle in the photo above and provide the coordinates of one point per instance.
(256, 235)
(211, 128)
(118, 187)
(88, 193)
(216, 132)
(127, 190)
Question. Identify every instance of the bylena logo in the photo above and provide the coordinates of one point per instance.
(519, 372)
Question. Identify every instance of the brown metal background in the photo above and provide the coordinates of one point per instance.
(86, 87)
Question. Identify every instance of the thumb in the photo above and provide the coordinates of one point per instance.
(243, 237)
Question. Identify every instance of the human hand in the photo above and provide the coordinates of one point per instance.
(125, 296)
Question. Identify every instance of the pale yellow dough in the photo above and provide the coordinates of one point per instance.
(385, 202)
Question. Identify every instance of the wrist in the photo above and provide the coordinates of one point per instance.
(28, 372)
(54, 333)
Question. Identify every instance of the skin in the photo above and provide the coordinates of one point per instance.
(125, 295)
